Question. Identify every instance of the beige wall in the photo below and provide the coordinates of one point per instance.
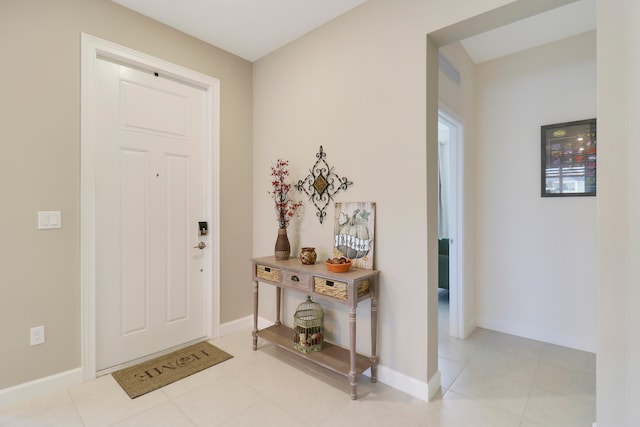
(618, 361)
(40, 169)
(633, 86)
(336, 87)
(357, 86)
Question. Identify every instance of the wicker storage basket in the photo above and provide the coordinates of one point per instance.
(337, 289)
(269, 274)
(308, 332)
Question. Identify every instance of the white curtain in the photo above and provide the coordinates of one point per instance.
(443, 181)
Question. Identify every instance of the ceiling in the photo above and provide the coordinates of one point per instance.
(247, 28)
(254, 28)
(566, 21)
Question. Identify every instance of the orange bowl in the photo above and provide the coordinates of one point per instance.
(338, 268)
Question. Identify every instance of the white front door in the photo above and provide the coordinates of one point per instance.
(150, 196)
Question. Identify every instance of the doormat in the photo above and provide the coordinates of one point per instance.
(150, 375)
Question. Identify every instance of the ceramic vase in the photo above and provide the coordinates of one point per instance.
(283, 248)
(308, 256)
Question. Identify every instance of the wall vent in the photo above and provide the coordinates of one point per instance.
(448, 69)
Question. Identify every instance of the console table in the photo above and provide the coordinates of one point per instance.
(346, 288)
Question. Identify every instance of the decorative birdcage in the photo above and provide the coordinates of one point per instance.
(308, 332)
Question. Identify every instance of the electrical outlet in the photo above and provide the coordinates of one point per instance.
(37, 335)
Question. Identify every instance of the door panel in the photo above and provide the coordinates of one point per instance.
(134, 279)
(153, 110)
(177, 241)
(150, 195)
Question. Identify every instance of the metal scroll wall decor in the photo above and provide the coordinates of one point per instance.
(322, 184)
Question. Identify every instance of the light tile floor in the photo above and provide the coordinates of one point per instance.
(491, 379)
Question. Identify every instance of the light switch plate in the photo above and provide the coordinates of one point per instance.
(49, 219)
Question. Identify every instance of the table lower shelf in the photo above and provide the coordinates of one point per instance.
(331, 356)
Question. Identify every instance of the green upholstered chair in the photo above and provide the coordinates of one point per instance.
(443, 263)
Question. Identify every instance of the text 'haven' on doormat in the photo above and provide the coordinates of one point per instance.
(150, 375)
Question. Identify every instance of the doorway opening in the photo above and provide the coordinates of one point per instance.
(434, 41)
(450, 244)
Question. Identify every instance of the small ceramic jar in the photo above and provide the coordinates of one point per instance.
(308, 256)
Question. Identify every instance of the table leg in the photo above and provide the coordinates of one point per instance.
(278, 305)
(254, 333)
(352, 351)
(374, 333)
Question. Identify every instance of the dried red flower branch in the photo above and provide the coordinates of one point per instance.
(286, 208)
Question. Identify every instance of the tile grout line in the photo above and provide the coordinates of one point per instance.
(535, 375)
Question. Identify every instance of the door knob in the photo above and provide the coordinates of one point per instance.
(201, 245)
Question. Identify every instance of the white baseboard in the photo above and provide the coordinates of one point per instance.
(578, 343)
(40, 387)
(236, 325)
(242, 324)
(434, 385)
(390, 377)
(406, 384)
(402, 382)
(63, 380)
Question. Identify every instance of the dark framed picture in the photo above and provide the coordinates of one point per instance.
(569, 159)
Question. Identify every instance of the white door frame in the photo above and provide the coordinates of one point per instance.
(456, 222)
(92, 49)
